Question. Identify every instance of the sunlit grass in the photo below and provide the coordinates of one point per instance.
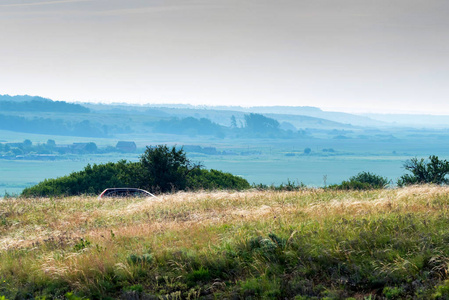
(308, 243)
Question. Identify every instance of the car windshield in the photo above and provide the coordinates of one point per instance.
(125, 192)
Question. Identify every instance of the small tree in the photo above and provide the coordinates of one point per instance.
(363, 181)
(165, 169)
(424, 171)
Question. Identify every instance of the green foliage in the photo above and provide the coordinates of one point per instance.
(72, 296)
(213, 179)
(81, 245)
(424, 171)
(135, 288)
(442, 291)
(165, 169)
(145, 258)
(160, 169)
(260, 288)
(363, 181)
(392, 292)
(92, 180)
(289, 186)
(200, 275)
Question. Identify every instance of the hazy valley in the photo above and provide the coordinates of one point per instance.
(41, 138)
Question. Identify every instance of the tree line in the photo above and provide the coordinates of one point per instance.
(42, 106)
(254, 126)
(61, 127)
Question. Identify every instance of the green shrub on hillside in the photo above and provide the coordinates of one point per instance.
(288, 186)
(159, 170)
(92, 180)
(362, 181)
(164, 169)
(213, 179)
(423, 171)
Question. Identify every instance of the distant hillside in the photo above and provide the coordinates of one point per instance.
(38, 104)
(339, 117)
(306, 111)
(427, 121)
(222, 115)
(51, 126)
(219, 115)
(22, 98)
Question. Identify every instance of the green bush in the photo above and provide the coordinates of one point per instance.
(165, 169)
(213, 179)
(424, 171)
(289, 186)
(92, 180)
(362, 181)
(160, 169)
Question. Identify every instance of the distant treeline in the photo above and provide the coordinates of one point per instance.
(38, 104)
(51, 126)
(255, 126)
(189, 126)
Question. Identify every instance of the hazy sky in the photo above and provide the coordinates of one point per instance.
(357, 55)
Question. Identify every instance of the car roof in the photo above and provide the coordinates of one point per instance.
(125, 189)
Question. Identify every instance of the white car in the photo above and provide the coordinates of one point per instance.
(125, 192)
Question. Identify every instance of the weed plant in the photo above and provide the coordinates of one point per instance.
(302, 244)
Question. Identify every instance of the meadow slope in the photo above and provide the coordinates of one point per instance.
(308, 244)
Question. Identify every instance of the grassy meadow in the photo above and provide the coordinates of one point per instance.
(307, 244)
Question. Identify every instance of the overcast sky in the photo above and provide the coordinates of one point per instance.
(353, 55)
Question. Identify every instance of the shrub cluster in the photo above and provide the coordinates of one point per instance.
(423, 171)
(159, 170)
(433, 171)
(362, 181)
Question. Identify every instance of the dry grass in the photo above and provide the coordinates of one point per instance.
(31, 221)
(43, 232)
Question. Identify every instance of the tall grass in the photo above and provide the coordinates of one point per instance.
(304, 244)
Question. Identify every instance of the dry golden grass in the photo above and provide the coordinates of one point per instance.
(41, 237)
(36, 220)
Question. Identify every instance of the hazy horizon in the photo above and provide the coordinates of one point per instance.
(351, 56)
(349, 110)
